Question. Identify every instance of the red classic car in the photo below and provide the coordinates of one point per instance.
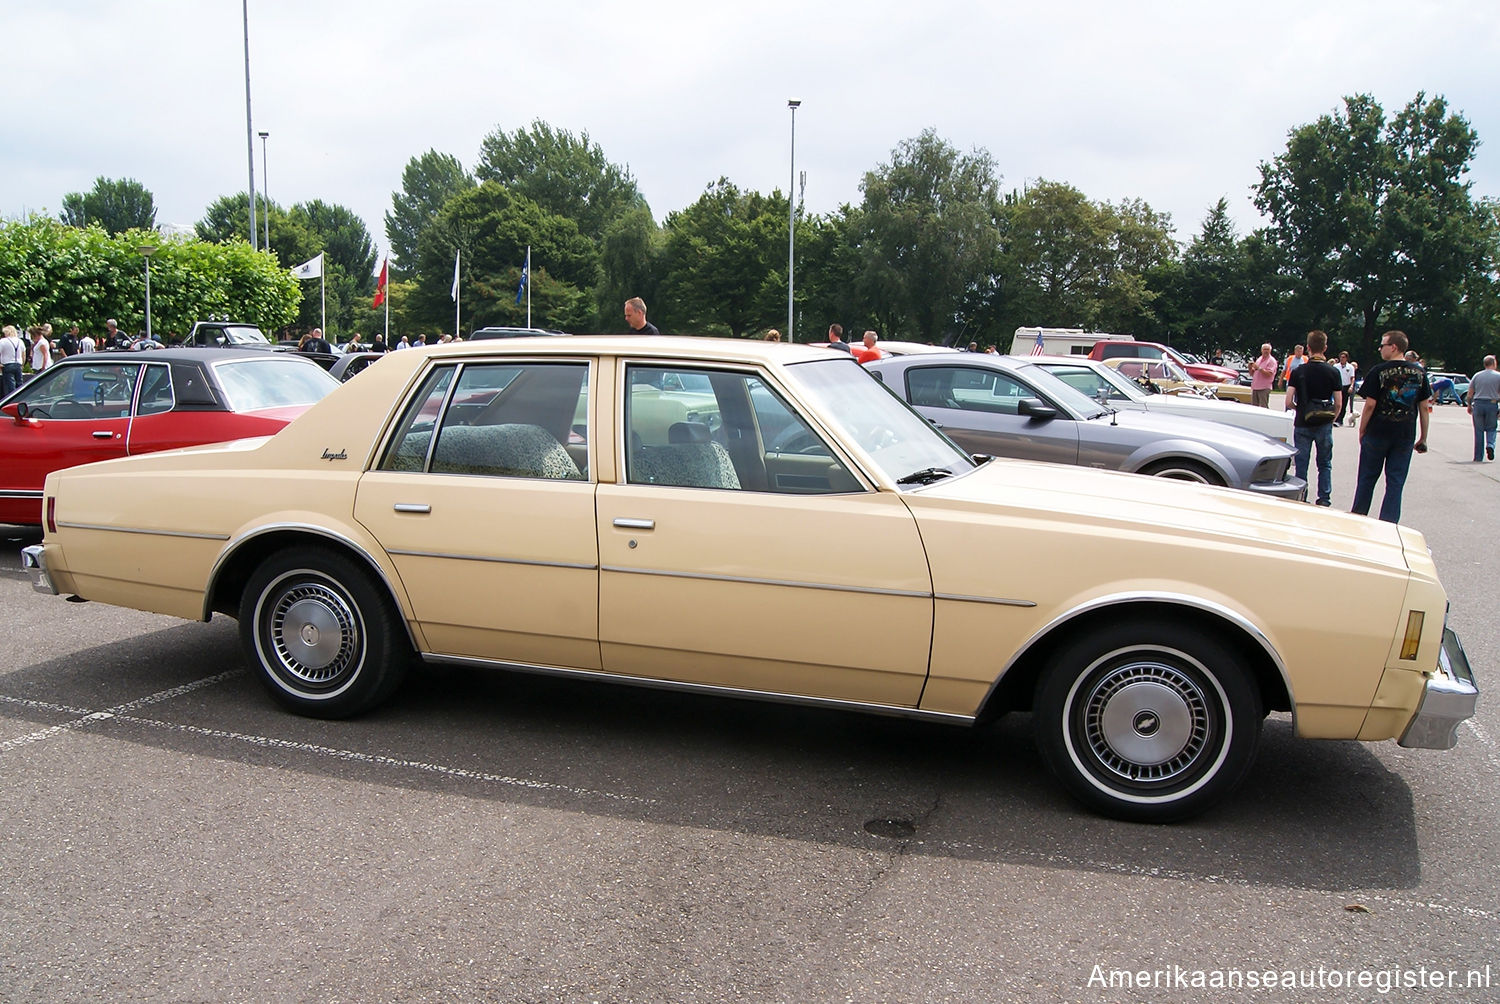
(102, 405)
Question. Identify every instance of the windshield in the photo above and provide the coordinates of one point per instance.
(1089, 381)
(259, 384)
(238, 334)
(870, 414)
(1061, 393)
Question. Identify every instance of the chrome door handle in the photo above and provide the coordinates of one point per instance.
(416, 507)
(626, 523)
(104, 435)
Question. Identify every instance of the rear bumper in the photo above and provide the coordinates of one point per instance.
(1448, 700)
(34, 561)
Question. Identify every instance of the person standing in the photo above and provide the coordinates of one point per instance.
(1484, 405)
(114, 338)
(1292, 362)
(836, 338)
(1315, 391)
(635, 317)
(67, 343)
(1262, 377)
(1396, 394)
(41, 348)
(314, 341)
(85, 342)
(1346, 377)
(12, 354)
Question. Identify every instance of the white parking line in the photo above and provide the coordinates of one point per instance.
(87, 718)
(121, 713)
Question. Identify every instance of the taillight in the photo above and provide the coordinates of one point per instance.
(51, 514)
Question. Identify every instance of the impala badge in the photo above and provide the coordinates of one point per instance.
(341, 455)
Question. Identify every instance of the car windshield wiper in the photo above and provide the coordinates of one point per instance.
(925, 476)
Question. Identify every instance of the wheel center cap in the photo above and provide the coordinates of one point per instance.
(309, 634)
(1147, 723)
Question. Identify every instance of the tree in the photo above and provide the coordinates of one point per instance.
(427, 183)
(564, 174)
(630, 254)
(117, 206)
(492, 226)
(723, 266)
(1070, 262)
(66, 275)
(1374, 219)
(930, 233)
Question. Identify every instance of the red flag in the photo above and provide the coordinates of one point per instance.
(385, 266)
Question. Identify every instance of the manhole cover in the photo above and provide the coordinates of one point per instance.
(895, 828)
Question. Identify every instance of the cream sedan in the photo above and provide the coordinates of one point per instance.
(767, 521)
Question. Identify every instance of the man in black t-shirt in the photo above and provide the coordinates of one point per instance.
(635, 316)
(1315, 390)
(1396, 394)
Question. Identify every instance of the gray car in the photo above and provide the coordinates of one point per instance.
(1010, 407)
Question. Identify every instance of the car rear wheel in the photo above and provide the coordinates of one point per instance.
(1147, 721)
(1184, 470)
(324, 638)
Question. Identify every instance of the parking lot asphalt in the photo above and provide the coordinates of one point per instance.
(167, 834)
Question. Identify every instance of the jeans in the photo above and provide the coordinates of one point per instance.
(1484, 415)
(1304, 438)
(11, 379)
(1377, 451)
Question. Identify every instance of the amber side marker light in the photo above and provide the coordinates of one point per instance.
(1413, 634)
(51, 514)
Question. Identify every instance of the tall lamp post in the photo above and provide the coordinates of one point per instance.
(249, 139)
(265, 187)
(147, 250)
(791, 228)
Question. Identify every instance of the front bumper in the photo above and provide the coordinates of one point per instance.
(1293, 489)
(34, 561)
(1448, 700)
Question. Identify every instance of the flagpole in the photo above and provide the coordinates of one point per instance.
(386, 270)
(528, 285)
(458, 258)
(323, 291)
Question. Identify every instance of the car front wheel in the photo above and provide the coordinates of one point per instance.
(1148, 722)
(325, 640)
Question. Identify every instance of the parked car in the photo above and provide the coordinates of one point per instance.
(1092, 378)
(1162, 376)
(226, 335)
(1008, 406)
(480, 334)
(351, 363)
(1207, 372)
(1449, 388)
(115, 404)
(450, 503)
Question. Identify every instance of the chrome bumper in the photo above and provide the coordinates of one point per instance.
(34, 560)
(1448, 700)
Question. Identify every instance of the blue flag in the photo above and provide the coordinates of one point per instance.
(521, 289)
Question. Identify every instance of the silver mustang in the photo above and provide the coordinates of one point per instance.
(1011, 407)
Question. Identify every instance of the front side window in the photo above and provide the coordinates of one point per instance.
(1087, 382)
(520, 420)
(725, 429)
(70, 393)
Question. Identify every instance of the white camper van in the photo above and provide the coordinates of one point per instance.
(1061, 341)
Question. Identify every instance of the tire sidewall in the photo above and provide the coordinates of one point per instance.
(1233, 711)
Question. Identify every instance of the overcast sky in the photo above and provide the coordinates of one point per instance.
(1173, 103)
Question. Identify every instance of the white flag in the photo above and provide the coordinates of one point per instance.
(456, 259)
(310, 269)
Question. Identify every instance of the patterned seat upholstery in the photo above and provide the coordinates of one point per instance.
(690, 460)
(518, 451)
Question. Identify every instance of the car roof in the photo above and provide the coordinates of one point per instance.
(167, 355)
(674, 347)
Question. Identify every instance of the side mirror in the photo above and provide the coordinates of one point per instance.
(1033, 407)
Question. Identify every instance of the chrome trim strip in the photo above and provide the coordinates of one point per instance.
(497, 561)
(19, 494)
(1001, 601)
(918, 594)
(1178, 599)
(707, 689)
(148, 532)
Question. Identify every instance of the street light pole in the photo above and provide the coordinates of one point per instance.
(791, 228)
(265, 187)
(249, 139)
(147, 250)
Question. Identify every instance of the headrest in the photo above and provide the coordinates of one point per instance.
(688, 432)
